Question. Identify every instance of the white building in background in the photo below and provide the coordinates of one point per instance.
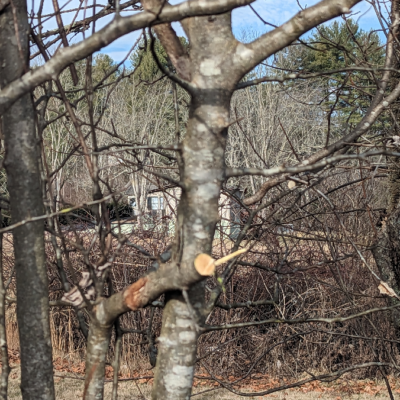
(162, 204)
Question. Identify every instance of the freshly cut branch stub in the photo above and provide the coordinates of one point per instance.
(384, 288)
(205, 264)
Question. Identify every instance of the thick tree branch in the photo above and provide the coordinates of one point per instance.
(117, 28)
(166, 278)
(170, 41)
(306, 168)
(378, 105)
(176, 52)
(253, 53)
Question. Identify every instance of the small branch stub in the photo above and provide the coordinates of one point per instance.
(205, 264)
(384, 288)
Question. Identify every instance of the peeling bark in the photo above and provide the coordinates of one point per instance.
(132, 294)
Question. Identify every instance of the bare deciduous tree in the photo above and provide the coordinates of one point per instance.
(215, 70)
(24, 185)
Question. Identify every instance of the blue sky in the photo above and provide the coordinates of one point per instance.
(243, 19)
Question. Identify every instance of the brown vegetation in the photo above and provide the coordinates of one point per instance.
(207, 217)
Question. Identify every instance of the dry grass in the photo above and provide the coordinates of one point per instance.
(67, 389)
(72, 389)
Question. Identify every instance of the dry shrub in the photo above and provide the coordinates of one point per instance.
(312, 270)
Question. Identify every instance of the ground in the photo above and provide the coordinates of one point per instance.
(69, 382)
(71, 389)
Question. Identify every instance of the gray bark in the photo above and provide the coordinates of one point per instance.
(203, 174)
(177, 347)
(211, 72)
(386, 250)
(96, 353)
(216, 64)
(24, 185)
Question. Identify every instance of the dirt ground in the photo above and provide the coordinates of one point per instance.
(71, 389)
(69, 384)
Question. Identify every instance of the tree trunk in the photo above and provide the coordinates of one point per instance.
(202, 174)
(177, 348)
(386, 250)
(96, 353)
(203, 155)
(24, 185)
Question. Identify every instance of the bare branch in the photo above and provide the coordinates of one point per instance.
(117, 28)
(298, 321)
(253, 53)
